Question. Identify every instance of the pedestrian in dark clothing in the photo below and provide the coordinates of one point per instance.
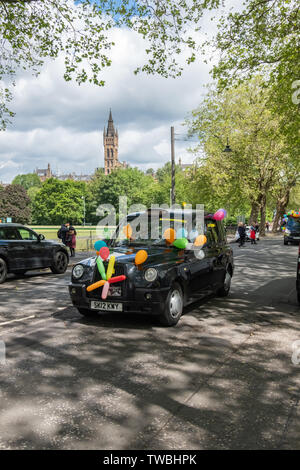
(242, 233)
(62, 233)
(71, 239)
(252, 235)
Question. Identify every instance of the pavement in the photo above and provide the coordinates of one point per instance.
(223, 378)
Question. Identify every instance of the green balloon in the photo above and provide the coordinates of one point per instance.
(101, 268)
(180, 243)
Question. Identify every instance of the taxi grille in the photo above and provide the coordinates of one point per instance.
(119, 270)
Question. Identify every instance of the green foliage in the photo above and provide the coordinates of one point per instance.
(27, 181)
(262, 160)
(59, 201)
(15, 203)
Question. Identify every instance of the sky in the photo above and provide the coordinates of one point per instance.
(62, 123)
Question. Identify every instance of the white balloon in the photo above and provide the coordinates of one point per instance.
(200, 254)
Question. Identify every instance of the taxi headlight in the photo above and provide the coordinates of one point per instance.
(150, 274)
(78, 271)
(287, 231)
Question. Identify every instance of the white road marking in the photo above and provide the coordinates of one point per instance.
(18, 319)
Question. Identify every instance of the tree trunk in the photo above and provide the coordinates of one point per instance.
(280, 209)
(262, 226)
(254, 212)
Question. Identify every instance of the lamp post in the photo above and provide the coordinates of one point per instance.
(227, 149)
(83, 198)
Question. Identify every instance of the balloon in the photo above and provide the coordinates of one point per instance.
(193, 235)
(104, 252)
(169, 235)
(200, 240)
(105, 289)
(224, 212)
(181, 233)
(127, 230)
(140, 257)
(101, 268)
(180, 243)
(112, 280)
(110, 267)
(200, 254)
(95, 285)
(99, 244)
(218, 215)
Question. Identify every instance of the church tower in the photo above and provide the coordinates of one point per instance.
(111, 146)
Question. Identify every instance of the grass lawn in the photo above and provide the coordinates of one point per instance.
(86, 236)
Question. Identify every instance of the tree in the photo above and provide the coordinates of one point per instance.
(261, 154)
(34, 30)
(15, 203)
(59, 201)
(138, 187)
(27, 181)
(264, 39)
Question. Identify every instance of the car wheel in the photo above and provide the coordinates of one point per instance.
(60, 263)
(224, 291)
(86, 312)
(3, 270)
(173, 307)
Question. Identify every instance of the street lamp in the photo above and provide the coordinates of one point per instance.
(83, 198)
(227, 149)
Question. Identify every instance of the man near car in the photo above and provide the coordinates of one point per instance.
(242, 233)
(63, 231)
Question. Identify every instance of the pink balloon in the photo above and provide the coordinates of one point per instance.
(218, 215)
(105, 289)
(104, 252)
(224, 211)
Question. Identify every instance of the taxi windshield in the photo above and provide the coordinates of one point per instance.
(138, 230)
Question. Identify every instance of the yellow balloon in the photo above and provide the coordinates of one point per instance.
(169, 235)
(110, 267)
(141, 257)
(127, 230)
(200, 240)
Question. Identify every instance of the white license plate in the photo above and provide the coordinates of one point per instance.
(296, 238)
(108, 306)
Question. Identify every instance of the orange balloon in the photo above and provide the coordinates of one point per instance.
(141, 257)
(95, 285)
(169, 235)
(127, 230)
(200, 240)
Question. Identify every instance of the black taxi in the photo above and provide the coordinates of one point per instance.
(170, 277)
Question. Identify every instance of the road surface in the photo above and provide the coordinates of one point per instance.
(223, 378)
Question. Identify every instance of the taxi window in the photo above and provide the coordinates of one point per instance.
(27, 234)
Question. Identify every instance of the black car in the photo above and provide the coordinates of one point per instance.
(292, 231)
(168, 280)
(21, 249)
(298, 276)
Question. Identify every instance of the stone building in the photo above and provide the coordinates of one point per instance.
(44, 174)
(111, 147)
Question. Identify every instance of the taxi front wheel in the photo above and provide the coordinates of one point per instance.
(173, 306)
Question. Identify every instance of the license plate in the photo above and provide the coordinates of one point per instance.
(296, 238)
(107, 306)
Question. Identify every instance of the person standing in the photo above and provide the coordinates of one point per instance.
(252, 235)
(63, 231)
(71, 240)
(242, 233)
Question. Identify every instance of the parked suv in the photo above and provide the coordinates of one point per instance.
(298, 276)
(21, 249)
(169, 279)
(292, 231)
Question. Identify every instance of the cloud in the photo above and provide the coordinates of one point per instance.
(62, 123)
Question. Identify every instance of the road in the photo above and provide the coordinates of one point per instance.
(223, 378)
